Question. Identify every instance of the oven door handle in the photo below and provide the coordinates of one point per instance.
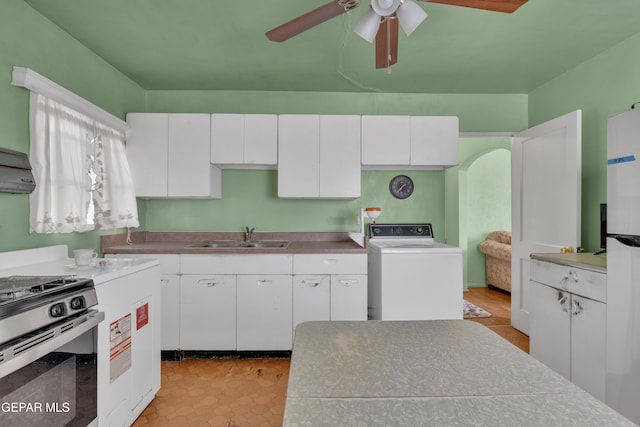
(61, 335)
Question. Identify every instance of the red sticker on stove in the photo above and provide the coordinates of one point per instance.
(142, 316)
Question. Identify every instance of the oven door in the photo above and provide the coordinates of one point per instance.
(49, 377)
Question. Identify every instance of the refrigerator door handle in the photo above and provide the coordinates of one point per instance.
(627, 240)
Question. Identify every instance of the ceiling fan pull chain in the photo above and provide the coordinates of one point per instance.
(349, 4)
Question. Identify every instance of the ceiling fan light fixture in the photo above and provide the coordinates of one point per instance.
(368, 25)
(410, 16)
(385, 7)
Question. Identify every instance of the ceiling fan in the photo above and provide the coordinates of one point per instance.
(380, 22)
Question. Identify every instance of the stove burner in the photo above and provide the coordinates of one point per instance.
(16, 287)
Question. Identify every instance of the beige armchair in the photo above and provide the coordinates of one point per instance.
(497, 249)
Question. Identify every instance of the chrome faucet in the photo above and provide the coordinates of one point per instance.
(248, 233)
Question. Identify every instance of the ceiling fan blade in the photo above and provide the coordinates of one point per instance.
(387, 42)
(309, 20)
(506, 6)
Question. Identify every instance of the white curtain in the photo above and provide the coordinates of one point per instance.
(81, 172)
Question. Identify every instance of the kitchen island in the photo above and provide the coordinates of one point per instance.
(435, 373)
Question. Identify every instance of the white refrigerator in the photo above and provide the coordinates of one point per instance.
(623, 264)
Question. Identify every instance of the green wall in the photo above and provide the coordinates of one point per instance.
(478, 200)
(29, 40)
(603, 86)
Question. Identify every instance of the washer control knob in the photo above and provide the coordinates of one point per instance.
(419, 230)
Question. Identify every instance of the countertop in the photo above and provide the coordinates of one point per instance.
(586, 260)
(438, 372)
(148, 242)
(53, 261)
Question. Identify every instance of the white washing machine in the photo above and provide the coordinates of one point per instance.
(411, 276)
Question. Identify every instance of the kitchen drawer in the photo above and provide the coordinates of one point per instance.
(169, 263)
(587, 283)
(236, 264)
(330, 264)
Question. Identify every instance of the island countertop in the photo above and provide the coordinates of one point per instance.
(438, 372)
(588, 260)
(149, 242)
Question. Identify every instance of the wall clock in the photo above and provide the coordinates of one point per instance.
(401, 186)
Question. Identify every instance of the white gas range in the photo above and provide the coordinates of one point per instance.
(106, 371)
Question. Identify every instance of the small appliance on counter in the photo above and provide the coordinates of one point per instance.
(372, 214)
(411, 276)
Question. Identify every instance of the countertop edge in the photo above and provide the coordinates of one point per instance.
(586, 260)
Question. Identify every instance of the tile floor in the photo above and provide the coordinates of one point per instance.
(219, 392)
(251, 392)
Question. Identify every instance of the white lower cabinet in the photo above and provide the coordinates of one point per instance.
(349, 297)
(170, 333)
(208, 312)
(254, 302)
(264, 304)
(311, 298)
(568, 330)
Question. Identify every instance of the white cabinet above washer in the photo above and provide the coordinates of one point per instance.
(409, 141)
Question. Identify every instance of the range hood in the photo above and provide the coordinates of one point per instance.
(15, 172)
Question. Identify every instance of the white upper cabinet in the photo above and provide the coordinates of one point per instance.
(386, 140)
(410, 141)
(434, 141)
(318, 156)
(339, 156)
(169, 153)
(244, 140)
(298, 156)
(147, 153)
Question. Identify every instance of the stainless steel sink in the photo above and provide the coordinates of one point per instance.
(257, 244)
(265, 244)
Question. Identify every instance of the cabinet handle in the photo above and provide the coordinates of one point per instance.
(265, 282)
(576, 308)
(208, 282)
(330, 261)
(562, 300)
(311, 283)
(348, 282)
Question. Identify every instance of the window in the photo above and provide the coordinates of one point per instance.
(82, 176)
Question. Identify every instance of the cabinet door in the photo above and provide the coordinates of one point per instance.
(142, 350)
(227, 138)
(208, 312)
(298, 156)
(588, 345)
(339, 156)
(386, 140)
(147, 145)
(189, 167)
(311, 298)
(260, 139)
(349, 297)
(170, 320)
(434, 141)
(264, 312)
(550, 327)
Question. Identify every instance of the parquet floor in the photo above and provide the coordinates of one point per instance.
(251, 392)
